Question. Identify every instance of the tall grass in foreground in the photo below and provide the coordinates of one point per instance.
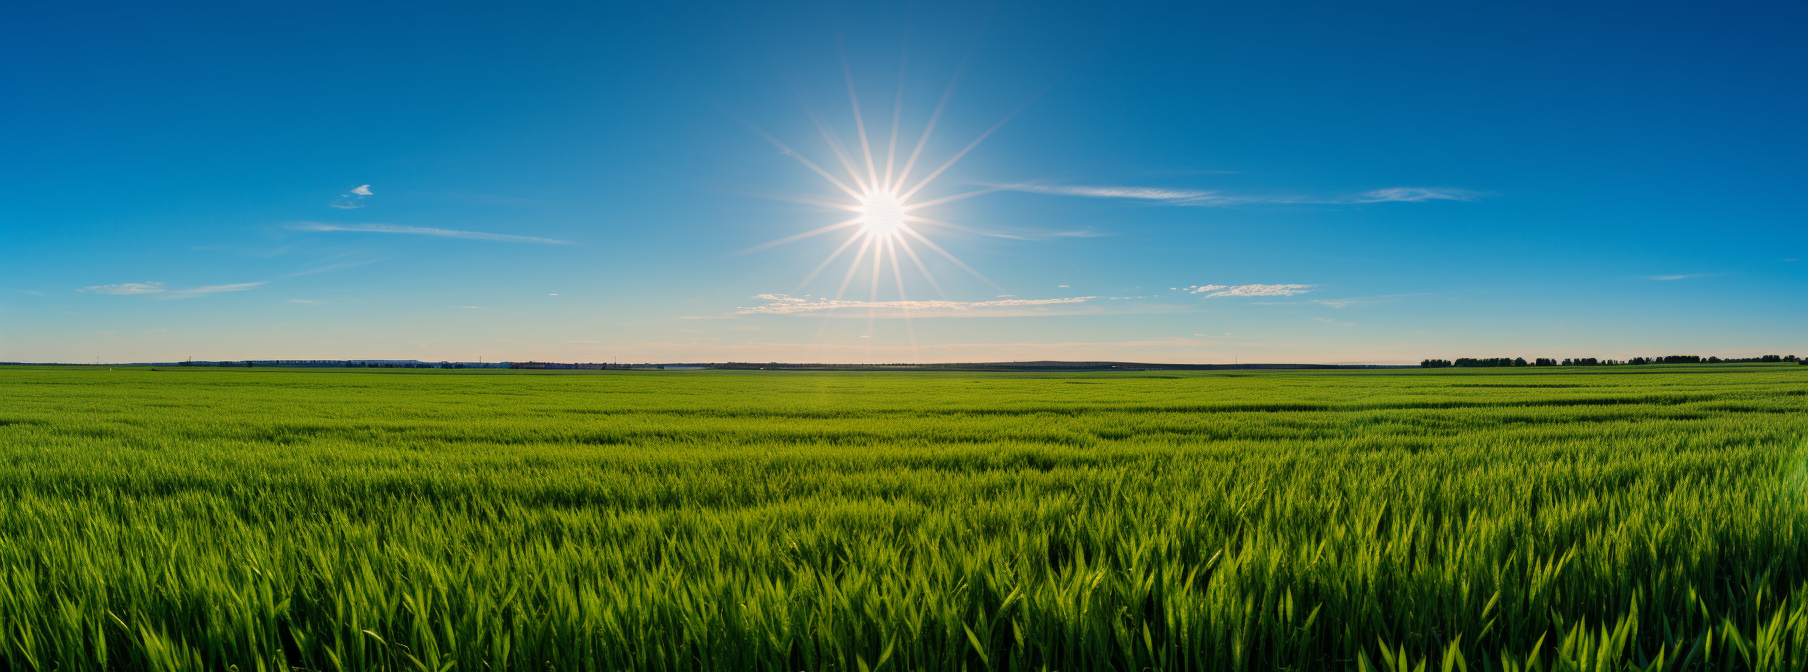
(1489, 520)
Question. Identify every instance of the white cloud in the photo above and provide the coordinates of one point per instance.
(782, 304)
(1343, 302)
(215, 289)
(1247, 290)
(1415, 195)
(204, 291)
(1194, 197)
(162, 292)
(1170, 196)
(352, 199)
(125, 288)
(1677, 277)
(423, 231)
(334, 267)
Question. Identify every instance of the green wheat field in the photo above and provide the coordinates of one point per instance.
(1609, 518)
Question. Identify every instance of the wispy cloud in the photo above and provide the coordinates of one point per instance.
(124, 289)
(782, 304)
(158, 290)
(1684, 276)
(1415, 195)
(1246, 290)
(307, 302)
(1031, 234)
(204, 291)
(1169, 196)
(1207, 198)
(423, 231)
(1345, 302)
(215, 289)
(352, 199)
(333, 267)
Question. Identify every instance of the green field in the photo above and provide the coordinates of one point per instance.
(1607, 518)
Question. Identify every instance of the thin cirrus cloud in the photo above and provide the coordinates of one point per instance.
(125, 288)
(333, 267)
(424, 231)
(1202, 198)
(157, 290)
(1413, 195)
(204, 291)
(783, 304)
(1684, 276)
(1246, 290)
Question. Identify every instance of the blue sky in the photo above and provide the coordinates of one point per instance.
(1283, 182)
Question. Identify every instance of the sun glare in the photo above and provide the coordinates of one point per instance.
(881, 214)
(884, 199)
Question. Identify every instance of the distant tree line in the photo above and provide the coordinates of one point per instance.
(1590, 361)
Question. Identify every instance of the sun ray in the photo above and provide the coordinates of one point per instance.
(806, 201)
(825, 262)
(897, 274)
(872, 176)
(872, 300)
(934, 117)
(853, 268)
(908, 250)
(800, 158)
(801, 236)
(931, 245)
(878, 265)
(840, 150)
(961, 227)
(897, 116)
(897, 270)
(957, 157)
(946, 199)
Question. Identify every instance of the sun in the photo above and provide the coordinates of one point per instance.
(881, 214)
(888, 222)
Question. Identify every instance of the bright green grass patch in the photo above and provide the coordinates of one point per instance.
(1626, 518)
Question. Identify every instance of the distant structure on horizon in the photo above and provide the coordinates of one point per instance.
(1590, 361)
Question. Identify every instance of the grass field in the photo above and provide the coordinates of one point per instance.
(1612, 518)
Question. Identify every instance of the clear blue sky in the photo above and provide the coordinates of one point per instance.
(1349, 182)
